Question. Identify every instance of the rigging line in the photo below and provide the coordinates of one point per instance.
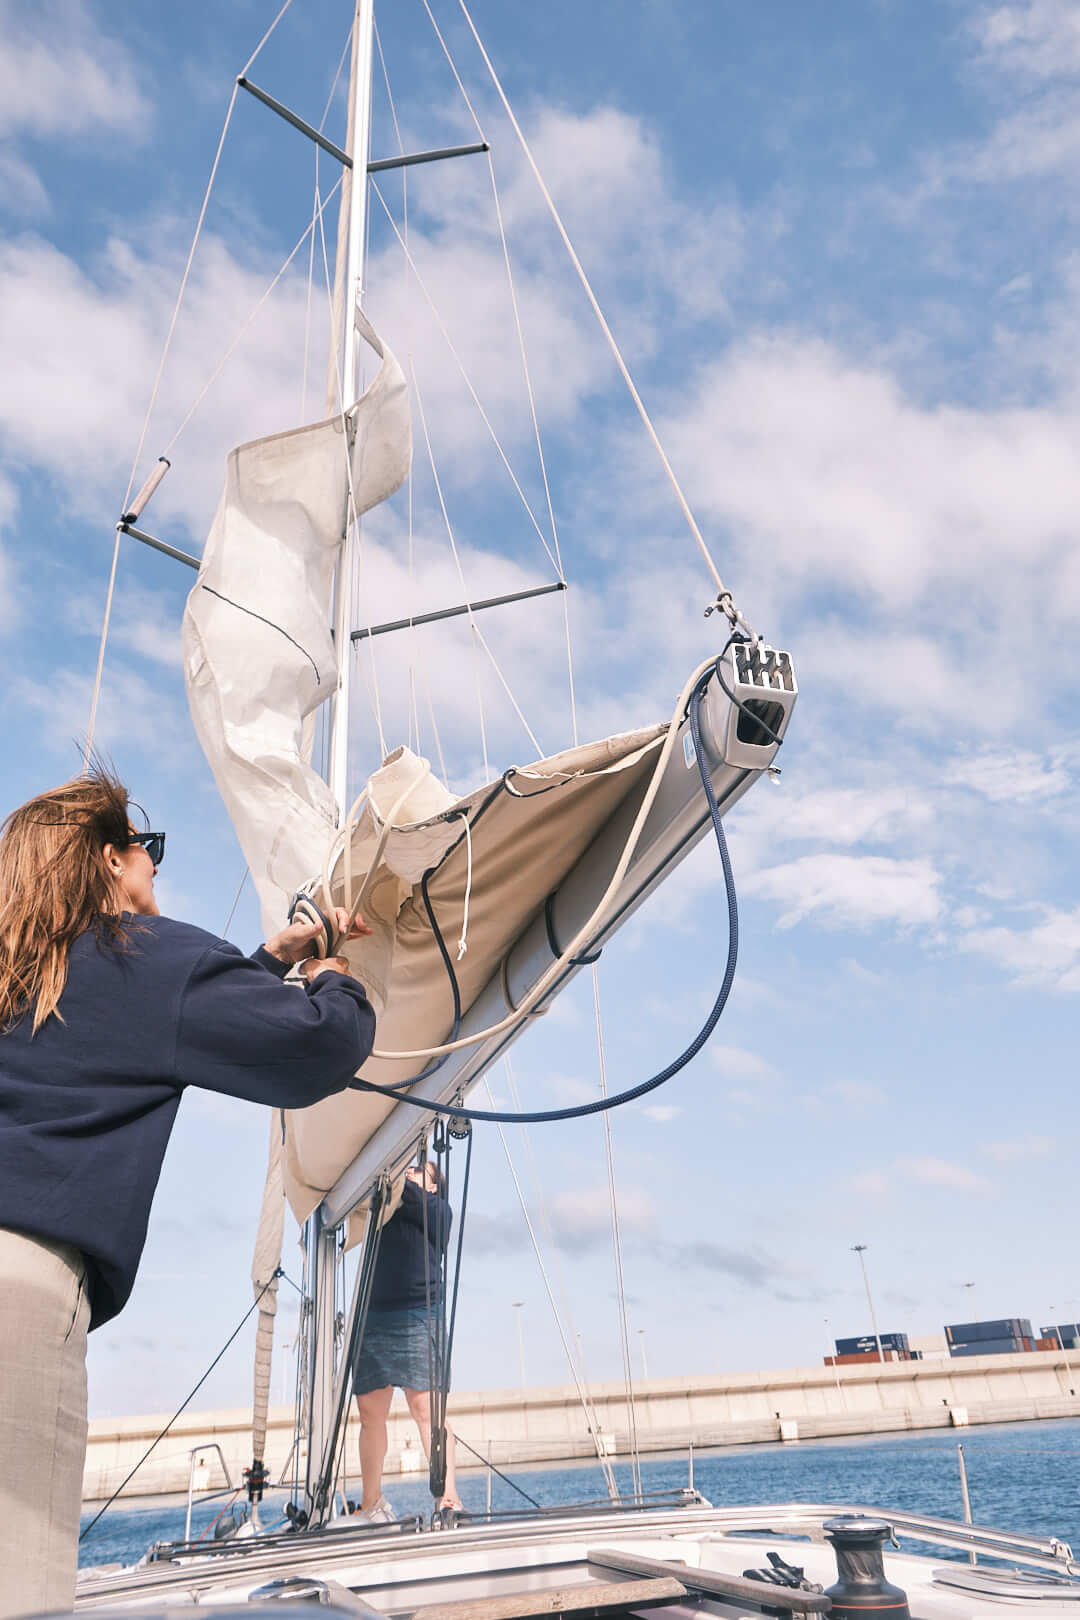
(465, 376)
(487, 1462)
(95, 695)
(351, 513)
(465, 591)
(591, 1422)
(454, 71)
(536, 433)
(592, 1419)
(150, 410)
(187, 266)
(238, 339)
(251, 59)
(157, 383)
(414, 644)
(700, 677)
(311, 254)
(457, 560)
(604, 327)
(186, 1401)
(616, 1243)
(236, 902)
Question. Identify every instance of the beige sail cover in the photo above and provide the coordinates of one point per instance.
(526, 832)
(258, 653)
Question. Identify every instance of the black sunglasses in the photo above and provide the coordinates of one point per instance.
(153, 843)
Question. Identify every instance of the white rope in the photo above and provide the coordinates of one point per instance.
(539, 443)
(616, 1242)
(699, 538)
(415, 655)
(150, 409)
(238, 339)
(236, 902)
(454, 71)
(462, 944)
(599, 912)
(101, 651)
(478, 634)
(591, 1421)
(465, 377)
(453, 547)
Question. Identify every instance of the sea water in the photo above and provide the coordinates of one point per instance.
(1021, 1476)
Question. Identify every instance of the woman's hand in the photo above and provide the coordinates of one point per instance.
(314, 965)
(293, 944)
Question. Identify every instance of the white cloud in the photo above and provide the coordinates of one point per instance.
(738, 1063)
(940, 1173)
(851, 891)
(1002, 776)
(661, 1113)
(1021, 1147)
(21, 190)
(825, 466)
(581, 1218)
(60, 75)
(1046, 954)
(1040, 39)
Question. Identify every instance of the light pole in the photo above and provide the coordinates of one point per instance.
(644, 1363)
(860, 1250)
(517, 1304)
(971, 1299)
(831, 1343)
(1061, 1342)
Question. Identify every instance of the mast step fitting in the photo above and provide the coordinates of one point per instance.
(303, 909)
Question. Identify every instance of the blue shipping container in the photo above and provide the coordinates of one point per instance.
(860, 1346)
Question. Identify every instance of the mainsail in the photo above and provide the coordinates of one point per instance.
(259, 656)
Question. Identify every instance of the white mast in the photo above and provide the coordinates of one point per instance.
(352, 231)
(354, 210)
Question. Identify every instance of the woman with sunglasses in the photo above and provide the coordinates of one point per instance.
(107, 1012)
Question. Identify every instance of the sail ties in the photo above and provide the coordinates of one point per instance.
(462, 945)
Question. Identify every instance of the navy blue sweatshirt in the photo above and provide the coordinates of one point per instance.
(399, 1282)
(87, 1104)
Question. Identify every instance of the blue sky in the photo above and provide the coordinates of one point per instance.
(838, 246)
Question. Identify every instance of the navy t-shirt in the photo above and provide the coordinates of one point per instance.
(87, 1104)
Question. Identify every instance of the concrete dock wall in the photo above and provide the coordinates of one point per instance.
(549, 1425)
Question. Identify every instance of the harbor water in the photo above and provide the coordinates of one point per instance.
(1021, 1476)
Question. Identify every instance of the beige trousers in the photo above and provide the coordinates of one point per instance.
(44, 1314)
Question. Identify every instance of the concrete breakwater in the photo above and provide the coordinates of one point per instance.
(517, 1426)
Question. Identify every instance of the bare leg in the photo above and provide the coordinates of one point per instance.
(372, 1409)
(420, 1406)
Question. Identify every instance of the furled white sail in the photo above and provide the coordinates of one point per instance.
(259, 656)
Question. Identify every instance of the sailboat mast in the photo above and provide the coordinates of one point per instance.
(321, 1239)
(346, 344)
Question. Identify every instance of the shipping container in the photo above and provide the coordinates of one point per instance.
(867, 1341)
(1068, 1331)
(1007, 1327)
(993, 1347)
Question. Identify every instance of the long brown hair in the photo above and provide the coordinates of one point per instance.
(54, 885)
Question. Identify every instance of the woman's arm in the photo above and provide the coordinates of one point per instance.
(245, 1033)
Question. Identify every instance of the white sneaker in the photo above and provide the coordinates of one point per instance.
(381, 1513)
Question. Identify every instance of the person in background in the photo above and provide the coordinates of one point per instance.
(398, 1347)
(108, 1011)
